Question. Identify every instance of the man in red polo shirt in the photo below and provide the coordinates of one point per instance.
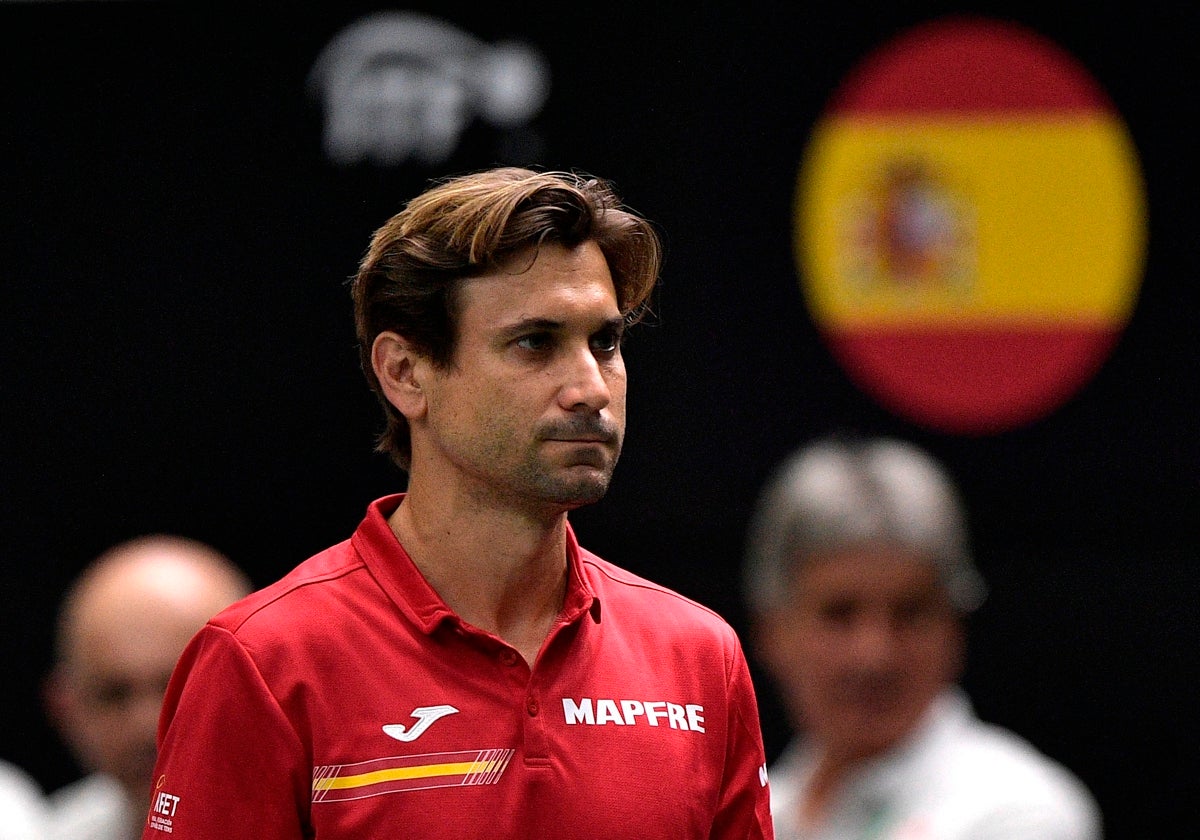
(461, 667)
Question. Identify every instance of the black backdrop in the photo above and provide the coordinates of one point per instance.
(178, 352)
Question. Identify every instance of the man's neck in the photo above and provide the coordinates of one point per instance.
(500, 569)
(833, 768)
(827, 778)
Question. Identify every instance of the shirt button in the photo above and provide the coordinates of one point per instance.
(508, 657)
(531, 706)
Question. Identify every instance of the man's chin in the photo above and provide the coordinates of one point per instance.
(587, 493)
(136, 780)
(582, 486)
(876, 730)
(865, 739)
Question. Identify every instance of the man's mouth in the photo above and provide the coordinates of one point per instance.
(579, 433)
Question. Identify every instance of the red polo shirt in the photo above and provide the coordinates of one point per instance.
(348, 701)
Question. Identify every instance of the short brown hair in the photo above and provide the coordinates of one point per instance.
(466, 226)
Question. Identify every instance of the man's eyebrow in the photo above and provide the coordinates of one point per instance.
(615, 324)
(527, 325)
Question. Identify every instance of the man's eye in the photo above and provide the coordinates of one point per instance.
(837, 612)
(606, 342)
(111, 695)
(914, 612)
(534, 341)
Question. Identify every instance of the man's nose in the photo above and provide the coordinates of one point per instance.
(874, 640)
(585, 386)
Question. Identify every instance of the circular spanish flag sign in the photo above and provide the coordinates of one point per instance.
(970, 225)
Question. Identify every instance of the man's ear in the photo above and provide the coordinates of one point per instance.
(400, 370)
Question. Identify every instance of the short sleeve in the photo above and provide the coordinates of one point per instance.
(230, 764)
(744, 811)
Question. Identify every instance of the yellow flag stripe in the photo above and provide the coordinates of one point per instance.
(1055, 206)
(393, 774)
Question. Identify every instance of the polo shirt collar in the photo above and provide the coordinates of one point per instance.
(395, 572)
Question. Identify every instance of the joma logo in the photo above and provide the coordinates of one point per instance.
(425, 716)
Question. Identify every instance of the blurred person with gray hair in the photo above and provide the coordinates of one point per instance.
(121, 627)
(859, 579)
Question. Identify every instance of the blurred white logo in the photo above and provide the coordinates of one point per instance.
(400, 85)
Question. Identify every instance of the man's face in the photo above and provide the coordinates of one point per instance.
(532, 409)
(123, 632)
(867, 642)
(113, 691)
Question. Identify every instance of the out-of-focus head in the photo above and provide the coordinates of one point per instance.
(408, 282)
(121, 627)
(857, 576)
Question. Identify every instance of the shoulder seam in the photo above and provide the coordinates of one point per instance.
(323, 578)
